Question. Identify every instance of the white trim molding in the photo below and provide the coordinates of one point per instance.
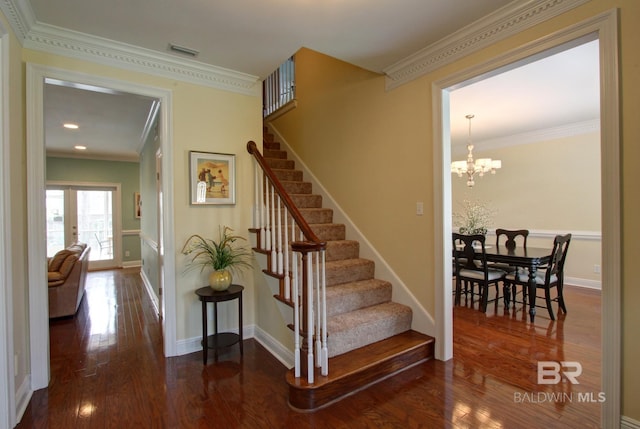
(511, 19)
(48, 38)
(629, 423)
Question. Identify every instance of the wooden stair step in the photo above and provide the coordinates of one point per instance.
(358, 369)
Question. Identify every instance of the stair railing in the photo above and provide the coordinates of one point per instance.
(279, 87)
(297, 257)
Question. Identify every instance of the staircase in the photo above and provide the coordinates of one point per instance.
(369, 335)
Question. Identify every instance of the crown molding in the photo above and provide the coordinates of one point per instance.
(511, 19)
(20, 16)
(48, 38)
(536, 136)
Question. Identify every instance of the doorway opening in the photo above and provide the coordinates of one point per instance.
(38, 302)
(603, 28)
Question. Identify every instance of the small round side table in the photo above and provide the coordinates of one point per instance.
(219, 339)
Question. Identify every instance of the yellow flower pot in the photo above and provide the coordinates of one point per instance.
(220, 280)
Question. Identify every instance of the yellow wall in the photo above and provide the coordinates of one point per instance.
(372, 150)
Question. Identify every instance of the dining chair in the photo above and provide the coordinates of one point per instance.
(510, 238)
(547, 277)
(470, 261)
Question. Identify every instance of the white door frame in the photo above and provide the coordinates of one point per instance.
(605, 28)
(7, 377)
(38, 298)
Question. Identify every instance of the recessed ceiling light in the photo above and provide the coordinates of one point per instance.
(71, 126)
(80, 147)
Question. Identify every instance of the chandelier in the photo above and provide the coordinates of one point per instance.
(470, 167)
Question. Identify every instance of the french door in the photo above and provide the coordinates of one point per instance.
(84, 213)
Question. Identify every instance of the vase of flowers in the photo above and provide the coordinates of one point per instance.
(223, 256)
(474, 218)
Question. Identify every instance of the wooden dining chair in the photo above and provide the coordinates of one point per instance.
(510, 238)
(548, 277)
(471, 267)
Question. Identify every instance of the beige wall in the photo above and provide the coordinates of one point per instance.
(546, 186)
(372, 150)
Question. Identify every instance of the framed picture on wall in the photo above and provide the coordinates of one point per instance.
(212, 178)
(137, 205)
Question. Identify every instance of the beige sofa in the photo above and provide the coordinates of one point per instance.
(67, 275)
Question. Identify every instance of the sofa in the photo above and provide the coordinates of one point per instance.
(67, 273)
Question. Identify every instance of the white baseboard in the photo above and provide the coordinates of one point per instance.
(280, 352)
(149, 288)
(585, 283)
(131, 264)
(629, 423)
(23, 396)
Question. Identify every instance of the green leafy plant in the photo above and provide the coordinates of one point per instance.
(474, 219)
(218, 255)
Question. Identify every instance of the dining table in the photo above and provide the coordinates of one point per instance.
(528, 257)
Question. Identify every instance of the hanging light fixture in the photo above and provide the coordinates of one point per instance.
(471, 167)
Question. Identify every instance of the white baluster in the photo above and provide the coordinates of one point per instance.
(309, 304)
(318, 309)
(287, 274)
(263, 232)
(280, 260)
(296, 318)
(256, 198)
(274, 255)
(323, 285)
(267, 211)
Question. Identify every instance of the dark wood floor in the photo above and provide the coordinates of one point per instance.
(107, 371)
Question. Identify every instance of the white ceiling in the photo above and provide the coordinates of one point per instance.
(255, 36)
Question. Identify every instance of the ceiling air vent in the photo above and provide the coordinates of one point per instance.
(183, 50)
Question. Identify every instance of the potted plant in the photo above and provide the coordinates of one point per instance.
(222, 256)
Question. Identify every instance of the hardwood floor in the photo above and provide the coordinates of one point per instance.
(107, 371)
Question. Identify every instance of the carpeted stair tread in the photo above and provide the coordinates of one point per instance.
(348, 270)
(306, 200)
(316, 215)
(352, 296)
(329, 231)
(293, 187)
(288, 174)
(355, 329)
(342, 249)
(283, 164)
(274, 153)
